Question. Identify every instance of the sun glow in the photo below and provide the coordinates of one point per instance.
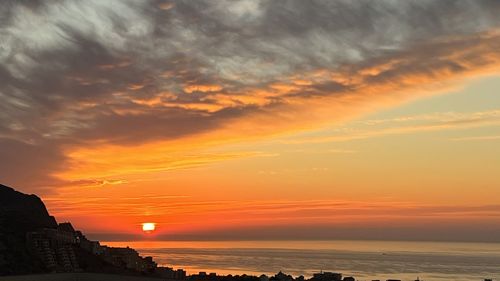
(148, 227)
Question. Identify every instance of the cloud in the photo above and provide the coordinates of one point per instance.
(477, 138)
(75, 75)
(178, 218)
(96, 165)
(28, 164)
(97, 182)
(410, 125)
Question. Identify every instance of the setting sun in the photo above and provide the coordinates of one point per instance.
(164, 138)
(148, 227)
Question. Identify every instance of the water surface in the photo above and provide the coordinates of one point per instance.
(364, 260)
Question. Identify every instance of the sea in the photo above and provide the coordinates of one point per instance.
(364, 260)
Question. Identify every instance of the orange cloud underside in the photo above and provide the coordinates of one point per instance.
(383, 83)
(297, 114)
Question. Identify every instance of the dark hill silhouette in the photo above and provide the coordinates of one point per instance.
(31, 241)
(22, 213)
(19, 214)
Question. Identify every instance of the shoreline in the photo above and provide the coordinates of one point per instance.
(86, 276)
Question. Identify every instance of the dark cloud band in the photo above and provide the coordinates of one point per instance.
(128, 72)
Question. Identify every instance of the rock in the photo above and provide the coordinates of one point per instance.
(19, 214)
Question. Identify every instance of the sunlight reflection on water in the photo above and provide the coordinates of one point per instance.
(362, 259)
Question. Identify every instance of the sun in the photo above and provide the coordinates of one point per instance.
(148, 227)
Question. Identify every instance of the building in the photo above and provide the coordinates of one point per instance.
(170, 273)
(3, 261)
(327, 276)
(280, 276)
(67, 259)
(128, 258)
(55, 247)
(40, 245)
(263, 277)
(93, 247)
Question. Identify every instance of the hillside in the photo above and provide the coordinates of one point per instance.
(20, 213)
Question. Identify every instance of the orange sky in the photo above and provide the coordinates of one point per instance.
(217, 122)
(421, 170)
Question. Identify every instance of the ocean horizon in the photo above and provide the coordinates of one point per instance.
(364, 260)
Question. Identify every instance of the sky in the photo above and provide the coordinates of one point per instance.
(255, 119)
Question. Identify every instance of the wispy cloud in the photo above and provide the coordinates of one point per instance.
(178, 214)
(77, 74)
(342, 151)
(90, 163)
(410, 125)
(477, 138)
(95, 182)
